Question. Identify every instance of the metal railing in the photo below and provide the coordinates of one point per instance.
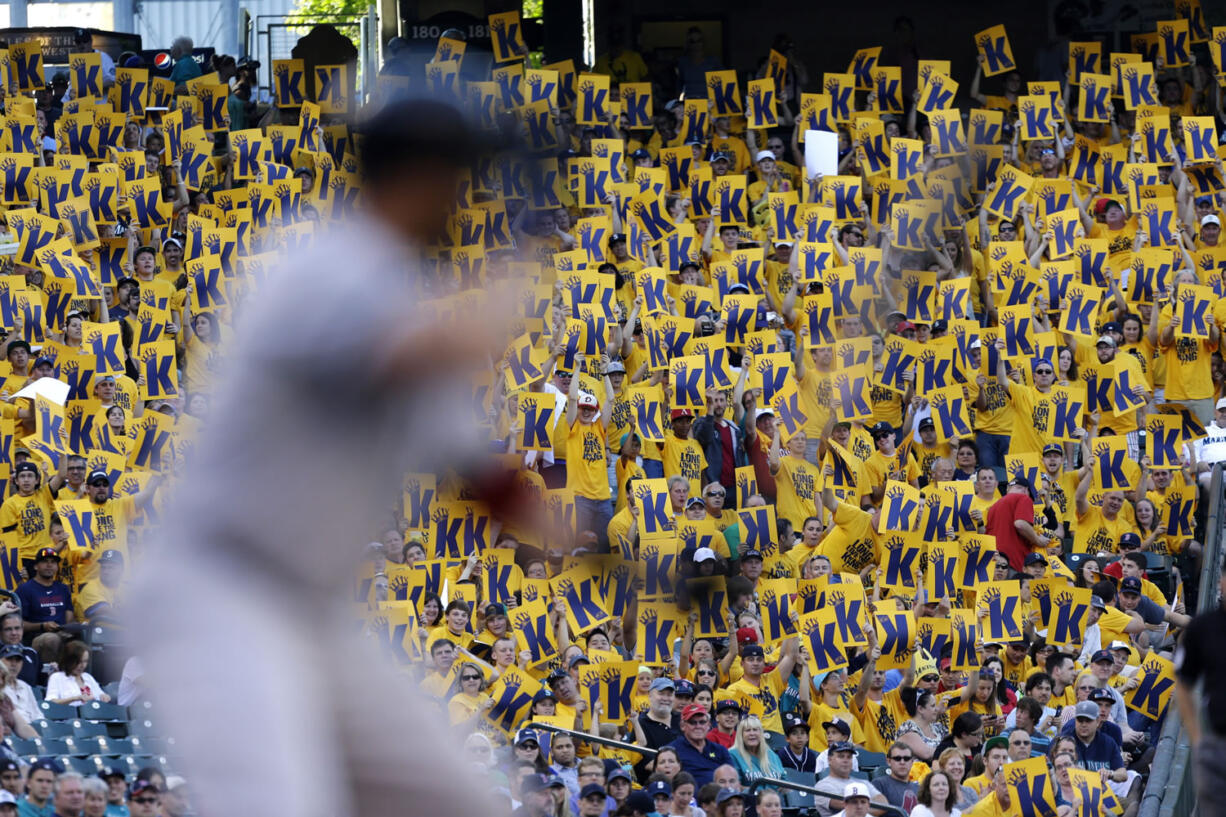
(836, 802)
(589, 738)
(1170, 790)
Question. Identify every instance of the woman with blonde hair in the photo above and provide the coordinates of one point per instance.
(751, 754)
(466, 702)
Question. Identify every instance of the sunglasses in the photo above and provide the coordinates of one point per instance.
(717, 493)
(470, 677)
(699, 721)
(144, 801)
(1043, 371)
(705, 672)
(903, 759)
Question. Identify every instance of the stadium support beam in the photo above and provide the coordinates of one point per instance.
(123, 16)
(18, 17)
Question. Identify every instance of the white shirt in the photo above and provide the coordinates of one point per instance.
(1212, 448)
(921, 810)
(62, 687)
(23, 700)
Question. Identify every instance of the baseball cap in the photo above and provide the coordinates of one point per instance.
(738, 287)
(639, 155)
(1221, 403)
(719, 155)
(725, 704)
(855, 789)
(1053, 448)
(44, 361)
(639, 802)
(95, 476)
(1021, 482)
(839, 724)
(614, 367)
(1112, 326)
(765, 411)
(691, 502)
(1211, 219)
(22, 467)
(616, 237)
(106, 773)
(544, 694)
(703, 554)
(752, 553)
(12, 651)
(793, 721)
(842, 746)
(685, 689)
(46, 553)
(1087, 710)
(595, 790)
(525, 735)
(661, 683)
(1098, 603)
(175, 782)
(1115, 645)
(1102, 655)
(753, 651)
(1129, 540)
(727, 794)
(1035, 559)
(926, 424)
(995, 743)
(880, 430)
(1107, 339)
(553, 781)
(7, 796)
(531, 782)
(588, 400)
(677, 414)
(692, 711)
(1131, 584)
(904, 325)
(576, 658)
(1102, 694)
(746, 635)
(618, 774)
(764, 154)
(659, 788)
(494, 609)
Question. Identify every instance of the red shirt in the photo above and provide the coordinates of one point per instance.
(723, 739)
(759, 456)
(1001, 516)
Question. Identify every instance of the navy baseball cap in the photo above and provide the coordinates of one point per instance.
(596, 790)
(1130, 540)
(753, 650)
(1035, 559)
(684, 689)
(46, 553)
(659, 788)
(793, 721)
(1102, 655)
(725, 704)
(1102, 694)
(98, 476)
(1131, 584)
(13, 651)
(842, 746)
(532, 782)
(525, 735)
(108, 772)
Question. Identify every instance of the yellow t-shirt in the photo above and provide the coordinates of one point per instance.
(1097, 534)
(797, 484)
(684, 457)
(997, 416)
(851, 544)
(824, 713)
(27, 518)
(1031, 413)
(880, 719)
(767, 695)
(1189, 375)
(586, 460)
(1111, 625)
(89, 596)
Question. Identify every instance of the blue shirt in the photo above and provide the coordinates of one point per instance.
(1101, 753)
(44, 602)
(185, 68)
(702, 764)
(113, 810)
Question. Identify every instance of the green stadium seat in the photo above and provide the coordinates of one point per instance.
(56, 729)
(91, 746)
(58, 712)
(141, 728)
(85, 766)
(41, 724)
(88, 729)
(98, 711)
(25, 746)
(124, 746)
(793, 799)
(58, 746)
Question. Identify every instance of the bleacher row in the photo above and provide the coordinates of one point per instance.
(95, 735)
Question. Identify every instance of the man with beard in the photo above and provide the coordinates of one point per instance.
(721, 440)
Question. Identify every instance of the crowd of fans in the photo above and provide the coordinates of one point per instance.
(881, 479)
